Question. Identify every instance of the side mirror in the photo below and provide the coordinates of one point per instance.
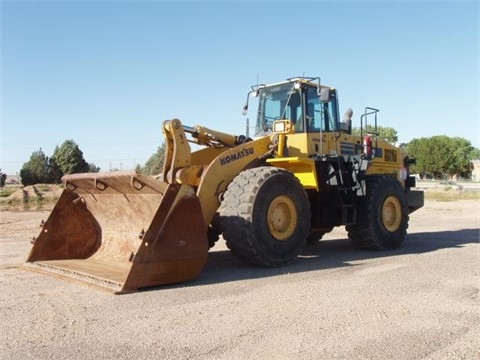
(253, 93)
(324, 95)
(245, 108)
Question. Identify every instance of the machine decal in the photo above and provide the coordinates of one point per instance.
(228, 159)
(346, 148)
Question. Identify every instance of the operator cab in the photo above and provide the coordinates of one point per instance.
(312, 108)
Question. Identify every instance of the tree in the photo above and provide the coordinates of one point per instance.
(3, 177)
(69, 158)
(387, 134)
(154, 164)
(54, 172)
(92, 168)
(441, 156)
(66, 159)
(139, 169)
(36, 170)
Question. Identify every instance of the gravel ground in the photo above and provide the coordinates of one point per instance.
(418, 302)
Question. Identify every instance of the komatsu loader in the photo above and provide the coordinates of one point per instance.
(301, 175)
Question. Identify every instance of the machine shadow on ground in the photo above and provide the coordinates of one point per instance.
(222, 266)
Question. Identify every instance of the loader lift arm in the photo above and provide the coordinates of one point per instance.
(178, 153)
(211, 169)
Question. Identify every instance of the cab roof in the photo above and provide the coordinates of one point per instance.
(309, 81)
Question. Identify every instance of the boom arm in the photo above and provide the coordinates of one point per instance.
(208, 170)
(209, 137)
(178, 153)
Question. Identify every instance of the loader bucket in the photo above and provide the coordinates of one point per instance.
(122, 231)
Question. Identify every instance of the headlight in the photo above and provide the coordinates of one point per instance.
(279, 126)
(283, 127)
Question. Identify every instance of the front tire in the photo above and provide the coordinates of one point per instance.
(265, 216)
(382, 215)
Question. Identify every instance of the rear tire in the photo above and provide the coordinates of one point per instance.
(265, 216)
(382, 215)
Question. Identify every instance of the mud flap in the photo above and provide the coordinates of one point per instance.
(122, 231)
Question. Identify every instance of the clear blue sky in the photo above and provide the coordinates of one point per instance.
(107, 74)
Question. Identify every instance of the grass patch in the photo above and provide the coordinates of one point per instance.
(37, 197)
(6, 191)
(36, 203)
(42, 188)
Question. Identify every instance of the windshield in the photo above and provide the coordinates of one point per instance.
(278, 102)
(284, 101)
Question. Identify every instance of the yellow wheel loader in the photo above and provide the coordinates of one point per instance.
(301, 175)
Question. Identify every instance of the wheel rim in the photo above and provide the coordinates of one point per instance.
(391, 213)
(282, 217)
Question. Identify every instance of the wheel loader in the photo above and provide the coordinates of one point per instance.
(303, 173)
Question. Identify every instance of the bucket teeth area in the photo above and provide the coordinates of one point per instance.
(75, 270)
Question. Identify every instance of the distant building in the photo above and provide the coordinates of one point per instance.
(476, 170)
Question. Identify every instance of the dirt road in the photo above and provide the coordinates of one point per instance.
(419, 302)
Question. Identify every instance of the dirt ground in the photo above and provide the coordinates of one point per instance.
(419, 302)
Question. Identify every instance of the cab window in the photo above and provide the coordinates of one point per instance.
(321, 116)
